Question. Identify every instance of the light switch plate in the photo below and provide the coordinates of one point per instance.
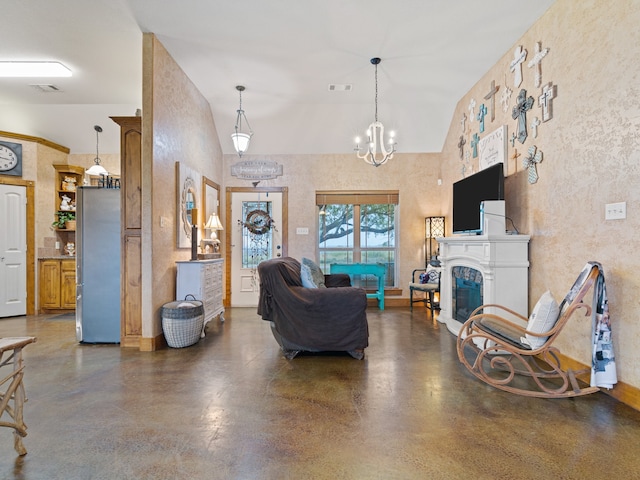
(615, 211)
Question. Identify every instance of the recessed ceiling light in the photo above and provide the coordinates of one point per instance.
(33, 69)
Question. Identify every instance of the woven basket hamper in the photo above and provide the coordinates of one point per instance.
(182, 322)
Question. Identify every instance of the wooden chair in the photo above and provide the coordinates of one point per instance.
(13, 397)
(495, 346)
(429, 288)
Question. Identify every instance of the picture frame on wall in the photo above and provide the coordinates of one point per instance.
(492, 148)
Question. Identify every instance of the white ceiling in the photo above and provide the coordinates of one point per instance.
(286, 53)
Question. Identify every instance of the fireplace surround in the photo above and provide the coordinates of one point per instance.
(502, 262)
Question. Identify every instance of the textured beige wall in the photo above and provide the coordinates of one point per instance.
(413, 175)
(178, 126)
(591, 157)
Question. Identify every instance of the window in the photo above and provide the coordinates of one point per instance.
(358, 227)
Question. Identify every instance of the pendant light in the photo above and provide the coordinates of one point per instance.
(97, 169)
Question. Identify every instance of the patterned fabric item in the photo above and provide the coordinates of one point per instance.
(316, 272)
(603, 365)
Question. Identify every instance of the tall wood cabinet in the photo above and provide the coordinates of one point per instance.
(131, 222)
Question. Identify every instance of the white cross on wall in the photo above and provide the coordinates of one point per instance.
(519, 56)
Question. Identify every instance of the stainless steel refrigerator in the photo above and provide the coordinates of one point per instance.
(98, 265)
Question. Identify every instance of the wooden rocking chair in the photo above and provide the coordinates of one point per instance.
(12, 388)
(498, 349)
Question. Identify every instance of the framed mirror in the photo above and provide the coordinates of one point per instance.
(210, 198)
(188, 195)
(210, 243)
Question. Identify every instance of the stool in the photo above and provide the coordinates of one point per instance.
(429, 289)
(11, 355)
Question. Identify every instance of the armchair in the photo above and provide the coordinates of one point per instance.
(427, 281)
(312, 319)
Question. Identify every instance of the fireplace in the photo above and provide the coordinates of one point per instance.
(482, 269)
(466, 296)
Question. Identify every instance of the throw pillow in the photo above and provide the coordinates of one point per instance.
(306, 277)
(542, 319)
(316, 272)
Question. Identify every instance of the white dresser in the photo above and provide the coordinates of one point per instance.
(203, 280)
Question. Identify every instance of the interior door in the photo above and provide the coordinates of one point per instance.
(13, 250)
(257, 224)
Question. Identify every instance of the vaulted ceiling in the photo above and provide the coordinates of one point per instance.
(286, 53)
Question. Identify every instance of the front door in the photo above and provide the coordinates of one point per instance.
(13, 250)
(257, 224)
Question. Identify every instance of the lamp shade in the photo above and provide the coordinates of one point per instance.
(97, 169)
(214, 222)
(241, 141)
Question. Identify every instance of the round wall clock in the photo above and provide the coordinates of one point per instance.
(10, 158)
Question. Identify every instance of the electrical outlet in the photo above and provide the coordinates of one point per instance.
(615, 211)
(57, 245)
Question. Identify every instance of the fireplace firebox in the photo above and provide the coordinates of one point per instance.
(467, 292)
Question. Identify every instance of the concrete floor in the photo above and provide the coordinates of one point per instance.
(231, 407)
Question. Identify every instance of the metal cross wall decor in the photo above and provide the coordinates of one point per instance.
(523, 104)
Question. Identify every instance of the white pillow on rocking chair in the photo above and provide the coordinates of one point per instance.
(542, 319)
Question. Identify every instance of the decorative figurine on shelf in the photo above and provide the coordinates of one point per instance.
(69, 184)
(70, 249)
(65, 204)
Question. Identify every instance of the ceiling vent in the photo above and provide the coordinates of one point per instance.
(46, 88)
(335, 87)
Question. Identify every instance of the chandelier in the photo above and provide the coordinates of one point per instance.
(97, 169)
(240, 139)
(375, 136)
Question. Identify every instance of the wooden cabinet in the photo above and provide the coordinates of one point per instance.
(131, 218)
(57, 284)
(203, 280)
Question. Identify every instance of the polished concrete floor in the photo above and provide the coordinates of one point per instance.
(232, 407)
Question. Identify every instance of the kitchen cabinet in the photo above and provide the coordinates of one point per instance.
(57, 284)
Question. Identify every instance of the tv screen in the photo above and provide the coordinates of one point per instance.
(470, 192)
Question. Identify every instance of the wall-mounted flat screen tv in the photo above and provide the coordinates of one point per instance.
(470, 192)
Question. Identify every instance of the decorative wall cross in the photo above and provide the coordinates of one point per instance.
(519, 56)
(536, 62)
(472, 105)
(505, 97)
(482, 112)
(461, 146)
(512, 139)
(515, 158)
(474, 144)
(491, 96)
(534, 156)
(534, 126)
(523, 104)
(463, 121)
(546, 101)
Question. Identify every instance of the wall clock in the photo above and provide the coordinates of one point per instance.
(10, 158)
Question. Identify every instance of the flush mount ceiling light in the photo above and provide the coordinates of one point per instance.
(33, 69)
(240, 139)
(375, 135)
(97, 169)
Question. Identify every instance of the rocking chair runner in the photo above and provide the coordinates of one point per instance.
(13, 388)
(504, 354)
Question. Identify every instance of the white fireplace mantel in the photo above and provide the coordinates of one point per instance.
(503, 261)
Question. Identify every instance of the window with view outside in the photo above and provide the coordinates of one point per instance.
(358, 233)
